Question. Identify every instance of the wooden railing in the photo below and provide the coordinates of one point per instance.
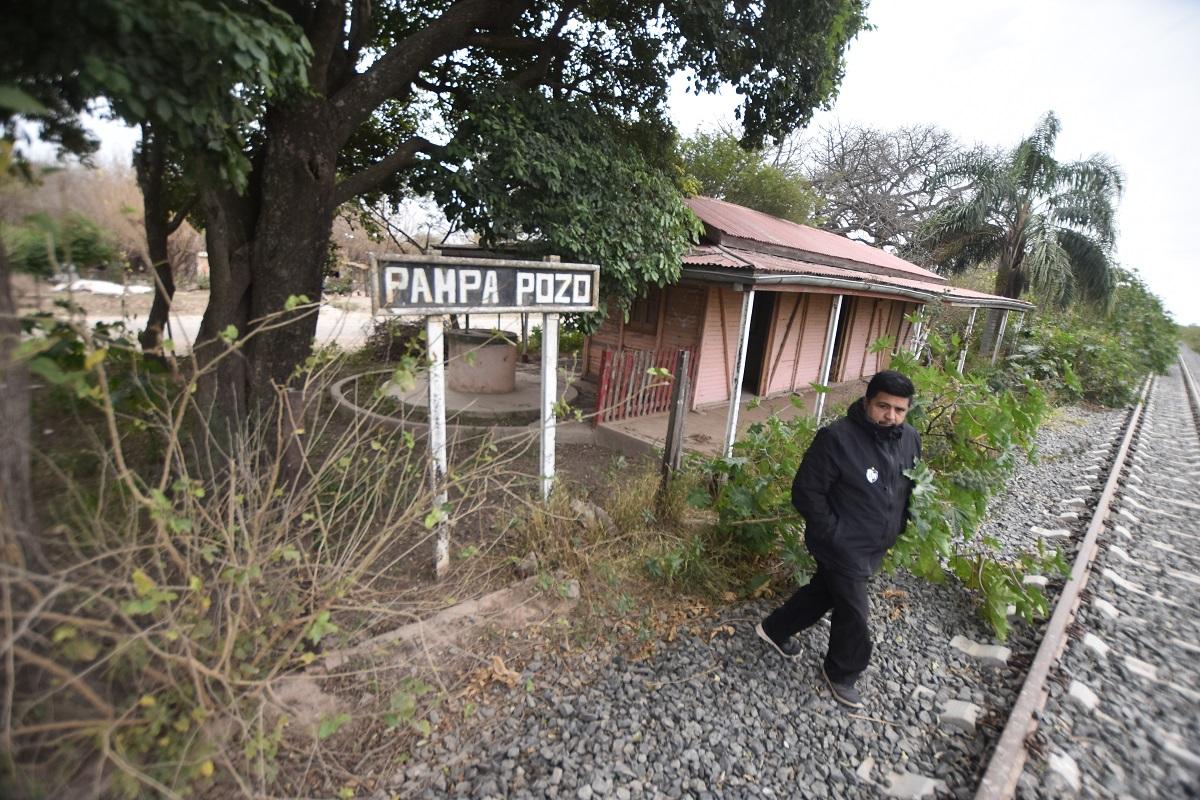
(629, 389)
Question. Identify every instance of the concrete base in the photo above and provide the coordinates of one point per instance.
(522, 406)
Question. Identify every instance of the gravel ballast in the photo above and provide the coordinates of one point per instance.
(720, 715)
(1141, 738)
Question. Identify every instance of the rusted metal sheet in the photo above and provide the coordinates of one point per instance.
(746, 223)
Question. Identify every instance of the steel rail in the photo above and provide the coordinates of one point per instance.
(1189, 383)
(1008, 759)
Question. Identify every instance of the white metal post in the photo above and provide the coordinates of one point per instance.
(549, 397)
(739, 369)
(835, 314)
(1000, 336)
(437, 437)
(918, 329)
(962, 357)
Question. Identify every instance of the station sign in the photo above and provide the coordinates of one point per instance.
(422, 284)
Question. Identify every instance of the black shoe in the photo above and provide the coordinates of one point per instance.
(790, 649)
(844, 693)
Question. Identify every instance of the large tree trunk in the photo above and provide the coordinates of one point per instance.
(264, 248)
(151, 170)
(18, 538)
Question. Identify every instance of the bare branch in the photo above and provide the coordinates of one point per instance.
(370, 177)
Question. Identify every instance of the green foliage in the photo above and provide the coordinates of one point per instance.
(753, 500)
(1190, 335)
(579, 182)
(199, 71)
(722, 168)
(569, 341)
(971, 436)
(1092, 355)
(44, 245)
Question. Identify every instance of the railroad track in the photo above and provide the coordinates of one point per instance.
(1111, 704)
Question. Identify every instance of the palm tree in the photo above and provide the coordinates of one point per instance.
(1046, 226)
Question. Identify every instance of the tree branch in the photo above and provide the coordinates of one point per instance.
(324, 31)
(393, 74)
(370, 177)
(181, 215)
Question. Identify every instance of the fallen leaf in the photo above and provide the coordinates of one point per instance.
(502, 673)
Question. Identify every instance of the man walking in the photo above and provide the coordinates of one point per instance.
(853, 494)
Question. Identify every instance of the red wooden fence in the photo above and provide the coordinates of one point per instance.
(628, 389)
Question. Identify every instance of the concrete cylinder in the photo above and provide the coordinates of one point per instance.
(481, 361)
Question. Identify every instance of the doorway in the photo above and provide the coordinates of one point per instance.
(756, 347)
(840, 336)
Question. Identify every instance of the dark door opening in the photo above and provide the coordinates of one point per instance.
(839, 338)
(756, 348)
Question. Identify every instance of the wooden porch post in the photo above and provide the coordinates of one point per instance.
(962, 357)
(827, 363)
(739, 369)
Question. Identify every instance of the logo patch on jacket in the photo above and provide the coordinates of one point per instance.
(872, 474)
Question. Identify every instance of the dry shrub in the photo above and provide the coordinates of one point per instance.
(194, 570)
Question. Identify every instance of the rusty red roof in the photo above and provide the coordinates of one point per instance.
(810, 243)
(766, 264)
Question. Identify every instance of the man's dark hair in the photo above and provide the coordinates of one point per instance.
(891, 382)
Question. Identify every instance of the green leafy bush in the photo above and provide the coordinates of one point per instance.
(44, 244)
(1088, 354)
(971, 434)
(569, 341)
(971, 437)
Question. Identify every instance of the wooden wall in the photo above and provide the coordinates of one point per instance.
(708, 316)
(873, 318)
(680, 315)
(718, 345)
(797, 340)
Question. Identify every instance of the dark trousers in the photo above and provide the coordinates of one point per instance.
(849, 634)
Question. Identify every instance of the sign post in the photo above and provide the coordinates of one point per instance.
(433, 286)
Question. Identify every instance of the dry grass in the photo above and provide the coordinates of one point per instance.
(196, 578)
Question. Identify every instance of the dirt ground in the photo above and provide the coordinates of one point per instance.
(38, 295)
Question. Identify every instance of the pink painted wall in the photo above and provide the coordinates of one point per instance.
(799, 363)
(820, 306)
(717, 351)
(873, 319)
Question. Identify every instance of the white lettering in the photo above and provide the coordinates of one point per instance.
(443, 286)
(525, 281)
(468, 281)
(420, 294)
(491, 294)
(395, 281)
(582, 289)
(564, 286)
(545, 287)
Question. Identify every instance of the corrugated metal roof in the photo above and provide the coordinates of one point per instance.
(737, 259)
(746, 223)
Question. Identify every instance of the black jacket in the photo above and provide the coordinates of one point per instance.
(852, 491)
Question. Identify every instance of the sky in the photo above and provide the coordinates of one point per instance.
(1122, 76)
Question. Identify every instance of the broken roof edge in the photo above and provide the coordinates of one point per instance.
(948, 295)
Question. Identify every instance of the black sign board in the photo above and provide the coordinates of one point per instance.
(422, 284)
